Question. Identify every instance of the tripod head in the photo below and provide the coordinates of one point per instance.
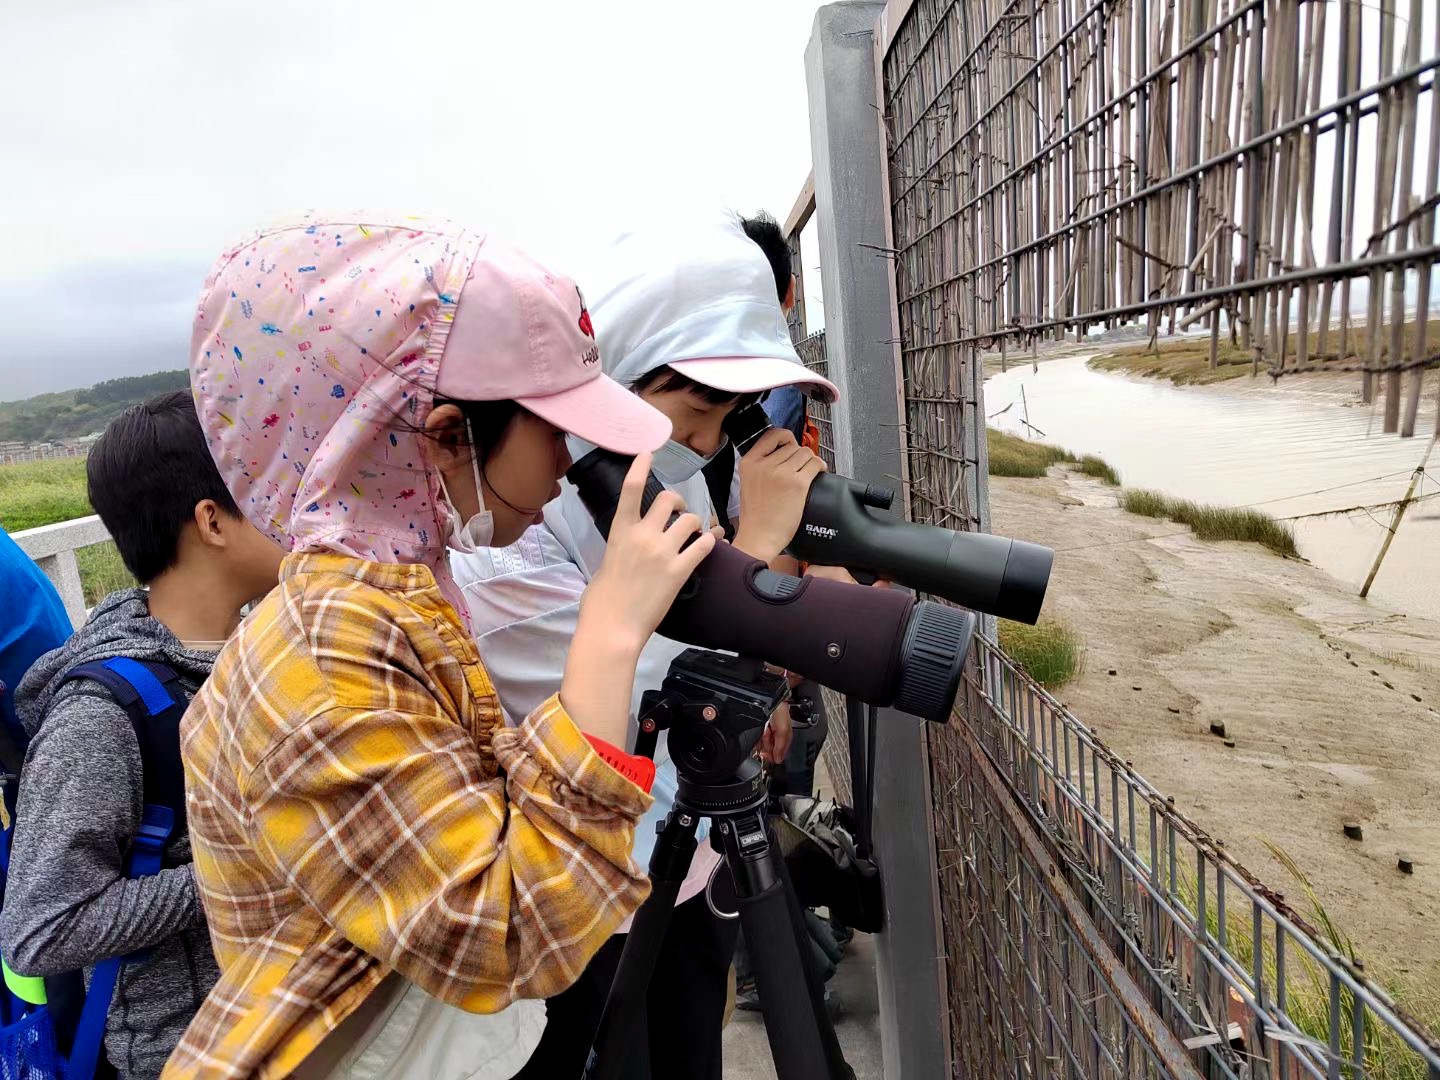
(715, 707)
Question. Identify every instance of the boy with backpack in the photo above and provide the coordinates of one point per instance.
(101, 714)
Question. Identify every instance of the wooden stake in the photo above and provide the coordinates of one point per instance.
(1424, 230)
(1395, 521)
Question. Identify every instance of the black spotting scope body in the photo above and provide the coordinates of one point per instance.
(879, 645)
(841, 526)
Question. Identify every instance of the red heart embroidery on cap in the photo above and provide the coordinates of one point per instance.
(585, 326)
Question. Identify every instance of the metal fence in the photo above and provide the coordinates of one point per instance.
(1095, 931)
(1268, 170)
(1071, 165)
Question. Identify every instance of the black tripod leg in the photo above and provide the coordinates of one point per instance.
(814, 981)
(669, 863)
(802, 1046)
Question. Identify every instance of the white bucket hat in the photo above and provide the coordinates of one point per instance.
(699, 297)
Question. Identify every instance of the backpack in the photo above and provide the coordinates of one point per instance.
(35, 623)
(54, 1028)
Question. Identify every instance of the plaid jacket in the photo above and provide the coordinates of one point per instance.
(356, 806)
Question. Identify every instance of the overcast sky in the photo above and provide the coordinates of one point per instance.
(138, 138)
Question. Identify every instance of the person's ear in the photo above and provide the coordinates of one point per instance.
(210, 523)
(446, 428)
(789, 301)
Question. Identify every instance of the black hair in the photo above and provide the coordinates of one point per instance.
(489, 420)
(146, 474)
(766, 231)
(666, 378)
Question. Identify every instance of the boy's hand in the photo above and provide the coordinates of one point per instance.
(775, 740)
(839, 573)
(775, 479)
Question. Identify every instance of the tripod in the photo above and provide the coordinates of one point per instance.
(715, 707)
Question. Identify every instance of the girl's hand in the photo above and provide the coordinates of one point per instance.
(639, 577)
(644, 566)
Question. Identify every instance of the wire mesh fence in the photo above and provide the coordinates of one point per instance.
(1095, 931)
(1261, 171)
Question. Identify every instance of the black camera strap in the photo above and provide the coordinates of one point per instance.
(719, 473)
(860, 727)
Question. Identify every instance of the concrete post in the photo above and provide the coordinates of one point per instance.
(851, 207)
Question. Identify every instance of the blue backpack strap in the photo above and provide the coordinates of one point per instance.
(151, 696)
(156, 825)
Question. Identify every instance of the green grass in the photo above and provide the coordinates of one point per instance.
(101, 571)
(1010, 455)
(1050, 652)
(35, 493)
(1145, 503)
(1186, 361)
(1099, 468)
(1214, 522)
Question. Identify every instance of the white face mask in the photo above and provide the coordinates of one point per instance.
(675, 462)
(476, 533)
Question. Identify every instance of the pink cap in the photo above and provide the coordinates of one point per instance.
(523, 333)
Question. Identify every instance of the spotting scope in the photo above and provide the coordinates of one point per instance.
(842, 526)
(881, 646)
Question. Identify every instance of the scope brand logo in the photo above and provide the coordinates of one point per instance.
(822, 532)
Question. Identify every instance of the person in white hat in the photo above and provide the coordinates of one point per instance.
(687, 317)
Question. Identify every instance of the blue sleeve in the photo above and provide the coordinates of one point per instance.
(35, 621)
(785, 406)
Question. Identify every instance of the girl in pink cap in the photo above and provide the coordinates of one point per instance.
(391, 875)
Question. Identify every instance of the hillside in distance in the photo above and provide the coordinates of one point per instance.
(69, 414)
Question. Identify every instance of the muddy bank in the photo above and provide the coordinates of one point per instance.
(1333, 704)
(1289, 453)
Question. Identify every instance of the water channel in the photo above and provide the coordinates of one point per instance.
(1286, 451)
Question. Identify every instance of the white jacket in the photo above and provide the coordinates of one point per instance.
(705, 291)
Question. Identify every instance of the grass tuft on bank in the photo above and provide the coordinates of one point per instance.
(1214, 522)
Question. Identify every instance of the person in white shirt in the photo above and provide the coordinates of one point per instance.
(687, 317)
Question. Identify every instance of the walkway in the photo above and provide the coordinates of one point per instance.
(747, 1052)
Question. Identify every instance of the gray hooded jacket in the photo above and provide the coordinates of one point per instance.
(68, 903)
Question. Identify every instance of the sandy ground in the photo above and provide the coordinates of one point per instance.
(747, 1050)
(1333, 703)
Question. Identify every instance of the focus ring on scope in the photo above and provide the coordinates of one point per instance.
(935, 647)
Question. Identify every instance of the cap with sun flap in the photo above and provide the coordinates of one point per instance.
(319, 348)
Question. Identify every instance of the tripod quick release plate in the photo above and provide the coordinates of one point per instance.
(715, 707)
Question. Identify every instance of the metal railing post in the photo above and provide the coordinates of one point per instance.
(849, 163)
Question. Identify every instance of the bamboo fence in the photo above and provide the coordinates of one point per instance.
(1261, 170)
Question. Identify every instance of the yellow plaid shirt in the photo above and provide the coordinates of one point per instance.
(357, 807)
